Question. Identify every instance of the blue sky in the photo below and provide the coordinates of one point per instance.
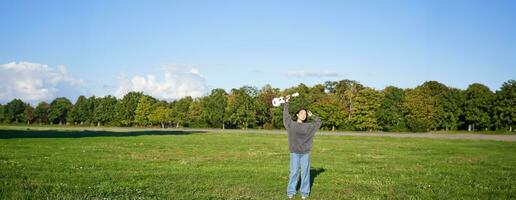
(109, 47)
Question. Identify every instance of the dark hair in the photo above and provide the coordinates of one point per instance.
(295, 116)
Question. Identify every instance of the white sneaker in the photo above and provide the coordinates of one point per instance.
(290, 196)
(303, 197)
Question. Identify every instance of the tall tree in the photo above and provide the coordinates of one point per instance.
(479, 99)
(420, 106)
(242, 106)
(331, 112)
(264, 108)
(180, 110)
(2, 113)
(194, 114)
(277, 117)
(317, 92)
(41, 112)
(104, 112)
(367, 104)
(28, 114)
(504, 111)
(433, 90)
(214, 107)
(82, 110)
(418, 111)
(160, 114)
(449, 110)
(58, 110)
(126, 107)
(14, 111)
(89, 111)
(143, 110)
(390, 114)
(347, 91)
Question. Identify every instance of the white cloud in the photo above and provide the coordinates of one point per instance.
(313, 74)
(178, 81)
(34, 81)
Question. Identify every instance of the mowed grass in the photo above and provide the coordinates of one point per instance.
(153, 164)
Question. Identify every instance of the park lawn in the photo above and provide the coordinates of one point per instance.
(139, 164)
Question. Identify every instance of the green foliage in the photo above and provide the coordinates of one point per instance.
(143, 110)
(14, 111)
(343, 105)
(160, 114)
(180, 110)
(477, 106)
(265, 117)
(41, 112)
(390, 114)
(347, 91)
(366, 106)
(82, 111)
(449, 109)
(418, 110)
(330, 112)
(126, 107)
(2, 113)
(213, 108)
(28, 114)
(504, 110)
(104, 112)
(421, 106)
(432, 90)
(415, 124)
(58, 110)
(277, 117)
(242, 107)
(317, 92)
(194, 114)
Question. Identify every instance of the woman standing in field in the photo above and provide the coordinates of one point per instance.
(300, 138)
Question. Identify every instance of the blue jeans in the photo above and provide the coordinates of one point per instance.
(296, 160)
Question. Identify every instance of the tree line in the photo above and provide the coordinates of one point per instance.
(341, 105)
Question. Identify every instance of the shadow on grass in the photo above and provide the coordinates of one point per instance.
(314, 172)
(8, 134)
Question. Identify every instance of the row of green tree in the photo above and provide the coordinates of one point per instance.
(341, 105)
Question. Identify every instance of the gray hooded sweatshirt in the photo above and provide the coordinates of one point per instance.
(300, 135)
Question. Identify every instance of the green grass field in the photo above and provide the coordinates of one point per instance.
(75, 164)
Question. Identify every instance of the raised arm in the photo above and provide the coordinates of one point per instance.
(286, 116)
(316, 124)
